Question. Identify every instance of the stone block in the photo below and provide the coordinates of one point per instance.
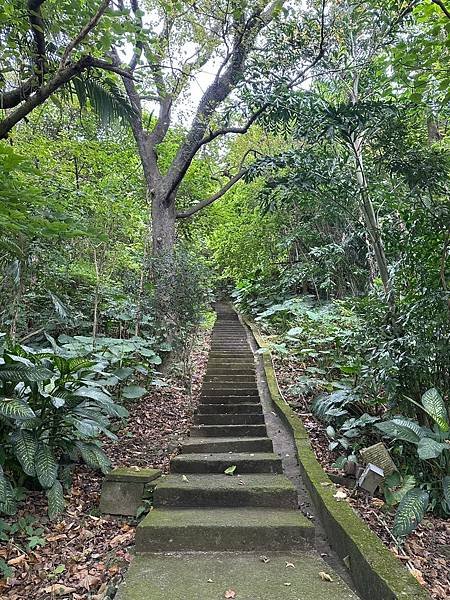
(125, 488)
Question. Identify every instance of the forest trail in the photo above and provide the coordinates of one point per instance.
(213, 535)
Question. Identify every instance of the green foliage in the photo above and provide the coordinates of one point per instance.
(53, 408)
(432, 446)
(410, 512)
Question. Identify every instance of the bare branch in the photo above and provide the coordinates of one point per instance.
(442, 6)
(230, 183)
(37, 27)
(84, 32)
(217, 92)
(194, 209)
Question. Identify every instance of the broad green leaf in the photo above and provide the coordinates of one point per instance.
(446, 490)
(8, 506)
(55, 498)
(95, 394)
(133, 391)
(25, 446)
(434, 404)
(102, 460)
(401, 429)
(429, 448)
(3, 486)
(410, 512)
(45, 465)
(18, 373)
(12, 408)
(394, 493)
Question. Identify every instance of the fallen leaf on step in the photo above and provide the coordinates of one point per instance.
(230, 470)
(325, 576)
(289, 564)
(184, 478)
(230, 594)
(287, 584)
(264, 559)
(210, 581)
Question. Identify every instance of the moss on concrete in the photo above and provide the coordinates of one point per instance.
(207, 576)
(131, 474)
(377, 574)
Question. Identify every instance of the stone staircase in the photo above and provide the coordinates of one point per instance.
(211, 535)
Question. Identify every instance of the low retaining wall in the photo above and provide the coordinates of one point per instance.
(375, 571)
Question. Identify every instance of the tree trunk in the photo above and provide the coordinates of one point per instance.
(163, 226)
(371, 222)
(163, 259)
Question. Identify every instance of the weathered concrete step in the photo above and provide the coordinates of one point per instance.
(228, 419)
(225, 391)
(238, 444)
(233, 362)
(229, 370)
(231, 353)
(229, 378)
(229, 385)
(229, 347)
(207, 576)
(223, 529)
(228, 430)
(207, 409)
(228, 399)
(222, 490)
(217, 462)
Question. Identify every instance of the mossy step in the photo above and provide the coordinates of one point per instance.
(238, 444)
(222, 490)
(228, 431)
(223, 529)
(229, 419)
(218, 462)
(216, 408)
(208, 576)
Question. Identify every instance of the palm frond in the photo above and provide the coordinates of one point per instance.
(105, 97)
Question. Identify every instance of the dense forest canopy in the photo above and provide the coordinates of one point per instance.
(293, 155)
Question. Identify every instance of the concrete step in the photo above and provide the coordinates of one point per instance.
(234, 409)
(231, 363)
(226, 391)
(217, 462)
(238, 444)
(222, 490)
(223, 529)
(228, 431)
(207, 576)
(229, 378)
(229, 419)
(228, 399)
(230, 370)
(229, 385)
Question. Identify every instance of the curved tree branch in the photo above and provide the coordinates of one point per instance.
(84, 32)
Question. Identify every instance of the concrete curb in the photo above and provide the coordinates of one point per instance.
(375, 571)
